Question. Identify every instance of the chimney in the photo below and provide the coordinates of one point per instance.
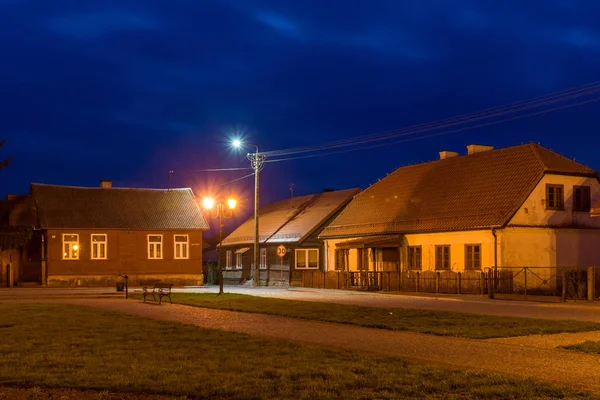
(478, 148)
(448, 154)
(104, 183)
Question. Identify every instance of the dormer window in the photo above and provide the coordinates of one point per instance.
(581, 198)
(555, 197)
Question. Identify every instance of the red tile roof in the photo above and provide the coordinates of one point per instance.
(291, 220)
(480, 190)
(121, 208)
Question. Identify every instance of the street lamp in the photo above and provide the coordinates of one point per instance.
(208, 204)
(256, 160)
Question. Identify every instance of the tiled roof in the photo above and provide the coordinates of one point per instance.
(291, 220)
(121, 208)
(596, 210)
(480, 190)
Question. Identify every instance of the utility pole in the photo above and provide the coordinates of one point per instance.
(257, 162)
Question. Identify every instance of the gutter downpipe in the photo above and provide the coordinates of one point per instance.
(495, 269)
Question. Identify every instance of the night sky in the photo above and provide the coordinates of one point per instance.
(128, 90)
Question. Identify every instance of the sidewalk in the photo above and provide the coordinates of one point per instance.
(553, 365)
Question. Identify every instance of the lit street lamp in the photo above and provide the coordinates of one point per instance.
(256, 160)
(208, 204)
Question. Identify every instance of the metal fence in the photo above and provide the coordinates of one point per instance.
(506, 282)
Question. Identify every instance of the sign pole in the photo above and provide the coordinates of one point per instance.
(281, 250)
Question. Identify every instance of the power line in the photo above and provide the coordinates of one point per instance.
(439, 133)
(238, 179)
(519, 106)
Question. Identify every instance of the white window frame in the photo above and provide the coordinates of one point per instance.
(184, 245)
(92, 243)
(263, 258)
(69, 254)
(306, 258)
(153, 244)
(228, 259)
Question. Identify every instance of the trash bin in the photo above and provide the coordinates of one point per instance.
(120, 286)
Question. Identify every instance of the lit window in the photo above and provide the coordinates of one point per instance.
(307, 258)
(70, 247)
(472, 256)
(263, 258)
(238, 260)
(99, 247)
(554, 197)
(414, 257)
(442, 257)
(155, 247)
(228, 259)
(341, 259)
(581, 198)
(181, 246)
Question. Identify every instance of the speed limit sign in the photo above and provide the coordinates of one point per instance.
(281, 250)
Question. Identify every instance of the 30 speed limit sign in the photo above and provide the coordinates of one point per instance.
(281, 250)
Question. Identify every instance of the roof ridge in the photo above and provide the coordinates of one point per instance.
(116, 188)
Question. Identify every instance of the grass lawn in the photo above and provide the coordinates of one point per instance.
(586, 347)
(443, 323)
(61, 346)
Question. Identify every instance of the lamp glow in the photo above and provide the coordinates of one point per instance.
(208, 203)
(236, 143)
(231, 203)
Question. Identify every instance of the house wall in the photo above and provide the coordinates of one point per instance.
(533, 211)
(127, 253)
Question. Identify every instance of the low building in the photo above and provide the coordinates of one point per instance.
(84, 236)
(595, 211)
(513, 207)
(294, 224)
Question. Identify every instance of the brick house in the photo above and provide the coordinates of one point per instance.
(84, 236)
(294, 223)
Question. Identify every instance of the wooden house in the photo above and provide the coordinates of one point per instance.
(91, 236)
(293, 223)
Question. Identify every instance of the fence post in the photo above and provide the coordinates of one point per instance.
(437, 282)
(490, 281)
(525, 279)
(418, 279)
(458, 282)
(591, 284)
(564, 285)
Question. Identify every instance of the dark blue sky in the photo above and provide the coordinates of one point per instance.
(128, 90)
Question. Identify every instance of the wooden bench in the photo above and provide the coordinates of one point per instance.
(159, 289)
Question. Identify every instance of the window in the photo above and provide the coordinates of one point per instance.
(182, 246)
(581, 198)
(155, 247)
(228, 259)
(263, 258)
(472, 256)
(99, 245)
(414, 257)
(554, 197)
(70, 247)
(238, 260)
(442, 257)
(341, 259)
(307, 258)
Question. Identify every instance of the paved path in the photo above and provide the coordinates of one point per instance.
(582, 311)
(554, 365)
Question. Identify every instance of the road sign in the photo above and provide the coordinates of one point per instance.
(281, 250)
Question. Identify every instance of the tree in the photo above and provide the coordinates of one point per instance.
(4, 163)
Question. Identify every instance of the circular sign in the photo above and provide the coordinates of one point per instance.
(281, 250)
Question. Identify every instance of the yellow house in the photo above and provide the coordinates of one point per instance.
(519, 206)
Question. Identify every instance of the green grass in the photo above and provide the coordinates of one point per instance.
(64, 346)
(442, 323)
(585, 347)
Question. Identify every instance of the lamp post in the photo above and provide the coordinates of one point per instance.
(256, 160)
(209, 203)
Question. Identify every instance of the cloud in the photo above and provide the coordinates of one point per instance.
(96, 24)
(280, 24)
